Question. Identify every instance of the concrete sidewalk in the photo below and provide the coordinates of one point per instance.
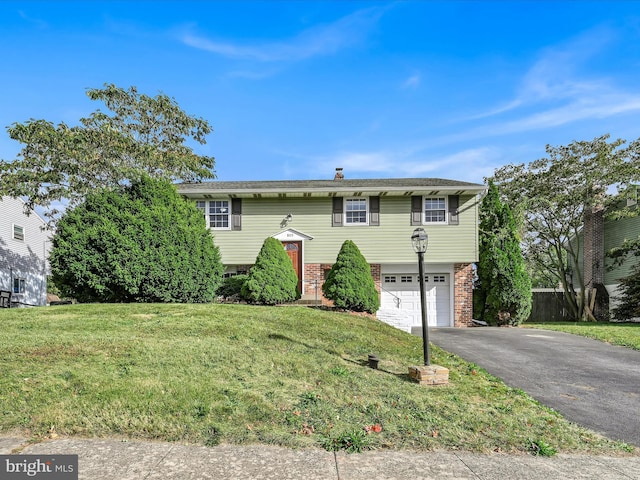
(124, 460)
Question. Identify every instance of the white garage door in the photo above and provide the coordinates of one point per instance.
(401, 293)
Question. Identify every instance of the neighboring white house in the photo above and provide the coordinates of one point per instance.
(24, 248)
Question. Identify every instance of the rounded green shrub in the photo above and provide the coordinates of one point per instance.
(137, 243)
(232, 286)
(272, 279)
(349, 283)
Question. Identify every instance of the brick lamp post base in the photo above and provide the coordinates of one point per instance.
(429, 374)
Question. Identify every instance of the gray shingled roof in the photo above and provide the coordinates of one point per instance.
(327, 186)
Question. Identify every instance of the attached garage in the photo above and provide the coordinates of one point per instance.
(400, 300)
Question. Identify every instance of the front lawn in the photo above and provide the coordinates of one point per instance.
(623, 334)
(290, 376)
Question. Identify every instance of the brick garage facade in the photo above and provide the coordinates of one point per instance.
(462, 290)
(318, 272)
(463, 294)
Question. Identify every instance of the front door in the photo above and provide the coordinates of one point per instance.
(294, 250)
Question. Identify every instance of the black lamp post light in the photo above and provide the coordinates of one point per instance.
(420, 241)
(426, 374)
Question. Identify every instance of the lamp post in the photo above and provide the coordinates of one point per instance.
(420, 241)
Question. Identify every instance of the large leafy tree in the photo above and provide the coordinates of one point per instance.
(349, 283)
(140, 135)
(137, 243)
(272, 279)
(504, 287)
(554, 194)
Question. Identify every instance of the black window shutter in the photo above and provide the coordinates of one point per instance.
(336, 218)
(236, 214)
(454, 204)
(416, 210)
(374, 211)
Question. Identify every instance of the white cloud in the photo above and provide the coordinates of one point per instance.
(596, 108)
(34, 21)
(557, 90)
(316, 41)
(468, 165)
(412, 82)
(555, 76)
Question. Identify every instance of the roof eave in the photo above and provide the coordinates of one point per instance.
(405, 190)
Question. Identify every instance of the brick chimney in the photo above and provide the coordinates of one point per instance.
(339, 174)
(593, 260)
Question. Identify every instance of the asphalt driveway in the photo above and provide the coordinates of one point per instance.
(589, 382)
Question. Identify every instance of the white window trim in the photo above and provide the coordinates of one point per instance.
(207, 214)
(228, 214)
(358, 224)
(446, 209)
(13, 232)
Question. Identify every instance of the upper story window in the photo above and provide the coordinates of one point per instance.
(216, 213)
(222, 214)
(356, 211)
(18, 232)
(435, 209)
(219, 214)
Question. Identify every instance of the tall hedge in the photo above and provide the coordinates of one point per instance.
(349, 283)
(272, 279)
(137, 243)
(503, 294)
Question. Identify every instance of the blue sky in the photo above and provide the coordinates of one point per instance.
(383, 89)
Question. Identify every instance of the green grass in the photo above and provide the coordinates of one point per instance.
(623, 334)
(289, 376)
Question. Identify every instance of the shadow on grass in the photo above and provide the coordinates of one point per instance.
(361, 363)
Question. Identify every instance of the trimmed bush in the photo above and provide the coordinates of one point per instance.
(349, 283)
(137, 243)
(272, 279)
(232, 286)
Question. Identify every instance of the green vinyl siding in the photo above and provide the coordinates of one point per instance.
(387, 243)
(616, 231)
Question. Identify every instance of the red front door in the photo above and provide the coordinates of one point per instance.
(294, 250)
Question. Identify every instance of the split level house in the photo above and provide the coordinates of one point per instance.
(24, 245)
(312, 218)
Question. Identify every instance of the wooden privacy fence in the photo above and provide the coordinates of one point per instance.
(548, 305)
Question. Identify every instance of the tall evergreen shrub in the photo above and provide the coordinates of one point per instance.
(629, 296)
(504, 286)
(272, 279)
(137, 243)
(349, 283)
